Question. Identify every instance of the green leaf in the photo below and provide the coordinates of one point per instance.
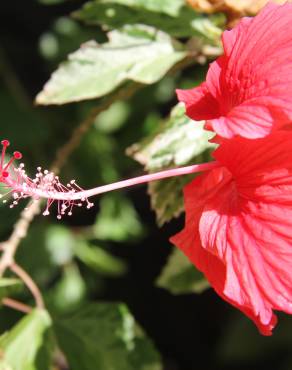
(69, 291)
(166, 197)
(100, 260)
(177, 142)
(9, 286)
(113, 118)
(28, 346)
(41, 267)
(64, 36)
(170, 7)
(171, 16)
(60, 244)
(138, 53)
(104, 336)
(117, 220)
(179, 276)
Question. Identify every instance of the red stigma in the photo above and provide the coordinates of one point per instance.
(45, 184)
(5, 143)
(17, 155)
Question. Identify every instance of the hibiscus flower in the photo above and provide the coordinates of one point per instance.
(238, 228)
(248, 90)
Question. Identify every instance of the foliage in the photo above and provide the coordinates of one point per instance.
(173, 16)
(137, 53)
(105, 336)
(117, 220)
(179, 276)
(127, 56)
(28, 346)
(104, 47)
(9, 286)
(178, 141)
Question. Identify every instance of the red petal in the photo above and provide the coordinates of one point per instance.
(258, 74)
(239, 226)
(200, 104)
(203, 102)
(197, 194)
(251, 120)
(233, 37)
(248, 91)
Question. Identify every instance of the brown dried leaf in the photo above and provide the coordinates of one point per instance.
(234, 9)
(249, 7)
(246, 7)
(206, 6)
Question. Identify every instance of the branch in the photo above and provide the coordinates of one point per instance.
(31, 285)
(19, 306)
(19, 233)
(64, 153)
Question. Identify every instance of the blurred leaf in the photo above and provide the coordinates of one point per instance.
(35, 257)
(137, 53)
(48, 45)
(9, 286)
(171, 16)
(100, 260)
(165, 89)
(69, 291)
(177, 141)
(117, 219)
(179, 276)
(104, 336)
(113, 118)
(170, 7)
(65, 36)
(60, 244)
(98, 156)
(28, 346)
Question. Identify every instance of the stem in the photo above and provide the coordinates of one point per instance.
(64, 152)
(19, 232)
(31, 285)
(19, 306)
